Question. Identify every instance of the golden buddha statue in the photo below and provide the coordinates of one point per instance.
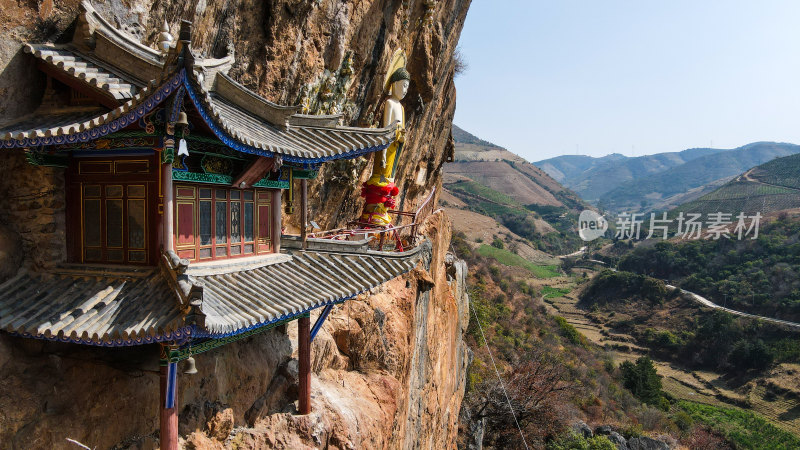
(380, 189)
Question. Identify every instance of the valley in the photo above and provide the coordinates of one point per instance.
(768, 396)
(515, 223)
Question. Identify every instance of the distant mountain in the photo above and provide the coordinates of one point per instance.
(472, 148)
(768, 188)
(669, 187)
(506, 172)
(592, 177)
(566, 169)
(528, 206)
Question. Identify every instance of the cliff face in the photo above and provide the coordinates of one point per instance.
(389, 371)
(329, 55)
(407, 368)
(389, 367)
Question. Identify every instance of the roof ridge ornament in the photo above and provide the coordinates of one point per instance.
(165, 39)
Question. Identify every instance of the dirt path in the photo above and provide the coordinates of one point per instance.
(747, 176)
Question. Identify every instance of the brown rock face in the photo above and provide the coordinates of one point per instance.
(389, 368)
(331, 55)
(32, 206)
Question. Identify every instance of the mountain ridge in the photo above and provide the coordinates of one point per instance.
(767, 188)
(656, 190)
(659, 181)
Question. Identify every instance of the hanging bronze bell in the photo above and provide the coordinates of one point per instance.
(191, 367)
(182, 119)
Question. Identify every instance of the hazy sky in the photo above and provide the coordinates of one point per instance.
(555, 77)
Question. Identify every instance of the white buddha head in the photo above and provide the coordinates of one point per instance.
(399, 82)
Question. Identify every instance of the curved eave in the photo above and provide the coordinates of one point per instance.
(178, 335)
(88, 130)
(298, 144)
(239, 302)
(92, 306)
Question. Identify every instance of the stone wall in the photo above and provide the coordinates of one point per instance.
(32, 206)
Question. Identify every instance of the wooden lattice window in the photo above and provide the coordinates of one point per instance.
(217, 223)
(114, 222)
(110, 210)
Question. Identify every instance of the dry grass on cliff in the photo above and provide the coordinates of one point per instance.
(576, 380)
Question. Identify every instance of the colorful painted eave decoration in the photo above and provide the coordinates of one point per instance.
(137, 108)
(180, 335)
(126, 117)
(216, 178)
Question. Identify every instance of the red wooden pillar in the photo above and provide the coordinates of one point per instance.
(304, 356)
(303, 211)
(277, 211)
(168, 415)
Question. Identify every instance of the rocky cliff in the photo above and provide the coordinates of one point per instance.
(389, 367)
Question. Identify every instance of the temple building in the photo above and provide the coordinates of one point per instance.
(174, 181)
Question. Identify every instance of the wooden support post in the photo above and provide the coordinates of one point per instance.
(303, 211)
(168, 220)
(382, 240)
(168, 406)
(276, 220)
(304, 369)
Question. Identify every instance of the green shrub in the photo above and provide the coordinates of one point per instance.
(632, 431)
(569, 332)
(683, 420)
(497, 243)
(574, 441)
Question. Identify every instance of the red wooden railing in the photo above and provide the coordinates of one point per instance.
(401, 237)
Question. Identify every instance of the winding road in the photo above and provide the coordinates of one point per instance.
(706, 302)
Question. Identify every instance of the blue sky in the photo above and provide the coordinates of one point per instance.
(548, 78)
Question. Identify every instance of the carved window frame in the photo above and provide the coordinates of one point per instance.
(127, 185)
(189, 223)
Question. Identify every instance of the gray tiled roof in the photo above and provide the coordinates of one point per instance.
(129, 306)
(84, 69)
(90, 305)
(242, 119)
(244, 299)
(62, 121)
(117, 66)
(312, 142)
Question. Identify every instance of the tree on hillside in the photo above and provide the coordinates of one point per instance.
(537, 388)
(642, 380)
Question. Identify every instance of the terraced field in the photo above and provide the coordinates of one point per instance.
(780, 408)
(620, 345)
(773, 186)
(744, 196)
(780, 172)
